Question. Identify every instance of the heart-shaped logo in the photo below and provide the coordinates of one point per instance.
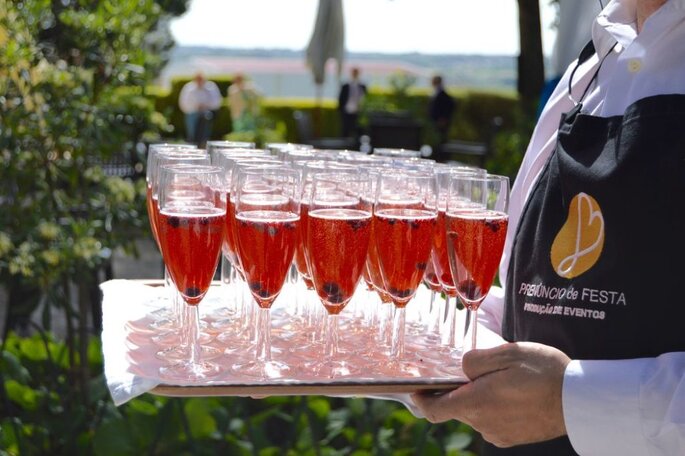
(579, 243)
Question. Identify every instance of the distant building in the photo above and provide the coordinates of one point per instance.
(285, 74)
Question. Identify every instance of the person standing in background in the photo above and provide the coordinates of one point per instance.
(198, 100)
(440, 109)
(349, 103)
(243, 101)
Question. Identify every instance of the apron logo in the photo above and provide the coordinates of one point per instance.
(579, 243)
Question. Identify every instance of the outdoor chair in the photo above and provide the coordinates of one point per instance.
(394, 130)
(305, 132)
(474, 152)
(125, 165)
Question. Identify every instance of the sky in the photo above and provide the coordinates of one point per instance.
(387, 26)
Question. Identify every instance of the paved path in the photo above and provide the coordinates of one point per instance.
(148, 265)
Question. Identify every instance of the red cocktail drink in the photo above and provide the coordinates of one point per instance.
(191, 239)
(373, 268)
(266, 243)
(152, 214)
(476, 241)
(337, 243)
(404, 240)
(230, 246)
(301, 251)
(431, 279)
(441, 261)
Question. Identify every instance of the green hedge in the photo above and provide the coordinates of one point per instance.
(471, 121)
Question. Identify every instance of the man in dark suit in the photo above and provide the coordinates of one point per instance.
(349, 103)
(440, 109)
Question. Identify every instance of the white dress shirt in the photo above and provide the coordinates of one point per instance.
(193, 97)
(620, 407)
(354, 98)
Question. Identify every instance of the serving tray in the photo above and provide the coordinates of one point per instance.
(441, 373)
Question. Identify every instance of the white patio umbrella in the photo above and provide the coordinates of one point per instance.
(327, 42)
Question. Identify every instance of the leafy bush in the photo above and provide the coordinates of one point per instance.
(72, 97)
(509, 146)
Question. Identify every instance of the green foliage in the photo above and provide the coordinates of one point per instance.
(400, 86)
(324, 115)
(72, 96)
(265, 132)
(474, 114)
(509, 146)
(41, 415)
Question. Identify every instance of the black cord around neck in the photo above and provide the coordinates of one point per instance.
(587, 52)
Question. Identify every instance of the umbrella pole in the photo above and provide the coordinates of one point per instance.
(317, 110)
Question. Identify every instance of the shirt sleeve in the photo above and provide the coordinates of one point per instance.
(185, 100)
(213, 95)
(491, 311)
(626, 407)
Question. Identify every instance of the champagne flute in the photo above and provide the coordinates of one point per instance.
(405, 213)
(176, 344)
(232, 271)
(384, 308)
(167, 319)
(432, 325)
(158, 157)
(338, 234)
(162, 315)
(292, 155)
(217, 152)
(230, 162)
(213, 146)
(440, 257)
(191, 233)
(328, 154)
(281, 150)
(476, 228)
(413, 163)
(267, 217)
(309, 169)
(396, 153)
(151, 173)
(361, 159)
(231, 274)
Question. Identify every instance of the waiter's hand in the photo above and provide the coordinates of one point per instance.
(514, 396)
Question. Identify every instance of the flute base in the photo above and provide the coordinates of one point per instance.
(263, 369)
(191, 372)
(178, 353)
(333, 369)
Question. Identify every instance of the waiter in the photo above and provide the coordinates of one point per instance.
(593, 264)
(349, 104)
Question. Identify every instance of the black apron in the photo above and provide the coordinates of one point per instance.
(598, 256)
